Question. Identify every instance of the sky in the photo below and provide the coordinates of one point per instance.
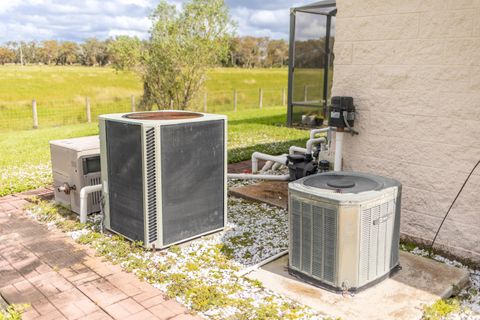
(77, 20)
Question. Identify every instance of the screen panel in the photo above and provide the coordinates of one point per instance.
(311, 66)
(193, 187)
(309, 58)
(125, 181)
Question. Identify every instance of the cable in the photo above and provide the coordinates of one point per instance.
(451, 206)
(345, 116)
(102, 214)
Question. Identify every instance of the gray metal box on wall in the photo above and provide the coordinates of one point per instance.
(164, 175)
(344, 229)
(76, 164)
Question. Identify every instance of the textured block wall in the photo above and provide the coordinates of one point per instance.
(413, 68)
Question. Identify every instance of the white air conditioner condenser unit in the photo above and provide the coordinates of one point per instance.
(344, 229)
(164, 175)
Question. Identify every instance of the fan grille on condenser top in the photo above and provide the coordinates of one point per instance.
(344, 182)
(163, 115)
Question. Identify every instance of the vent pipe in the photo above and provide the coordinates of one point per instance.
(337, 165)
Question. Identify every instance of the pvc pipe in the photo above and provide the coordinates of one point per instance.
(294, 149)
(247, 176)
(312, 142)
(84, 192)
(246, 271)
(315, 131)
(267, 166)
(276, 166)
(337, 166)
(263, 156)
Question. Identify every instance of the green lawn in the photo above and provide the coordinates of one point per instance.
(25, 155)
(60, 92)
(61, 83)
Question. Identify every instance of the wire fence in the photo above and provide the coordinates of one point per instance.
(42, 113)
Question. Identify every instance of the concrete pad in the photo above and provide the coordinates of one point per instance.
(421, 281)
(272, 192)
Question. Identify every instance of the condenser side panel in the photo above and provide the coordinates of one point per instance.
(395, 250)
(193, 182)
(125, 179)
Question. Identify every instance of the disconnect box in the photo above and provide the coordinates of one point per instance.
(75, 164)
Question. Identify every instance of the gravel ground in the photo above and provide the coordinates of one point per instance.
(191, 272)
(203, 274)
(20, 178)
(257, 231)
(235, 183)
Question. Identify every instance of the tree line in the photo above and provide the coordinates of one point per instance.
(124, 52)
(91, 52)
(173, 62)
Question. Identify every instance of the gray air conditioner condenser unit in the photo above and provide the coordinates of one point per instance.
(76, 164)
(164, 175)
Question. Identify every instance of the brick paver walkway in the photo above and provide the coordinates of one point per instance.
(61, 279)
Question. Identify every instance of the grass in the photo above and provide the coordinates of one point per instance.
(440, 309)
(60, 83)
(61, 91)
(76, 82)
(25, 156)
(13, 312)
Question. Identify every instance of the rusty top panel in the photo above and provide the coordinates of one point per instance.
(163, 115)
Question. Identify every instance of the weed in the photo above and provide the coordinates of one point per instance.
(440, 309)
(199, 274)
(13, 312)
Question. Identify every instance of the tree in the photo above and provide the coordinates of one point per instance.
(6, 55)
(277, 53)
(310, 53)
(183, 44)
(94, 52)
(251, 51)
(49, 51)
(67, 53)
(30, 52)
(233, 53)
(14, 47)
(125, 52)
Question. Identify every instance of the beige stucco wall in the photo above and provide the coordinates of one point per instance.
(413, 68)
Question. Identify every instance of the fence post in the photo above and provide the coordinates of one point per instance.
(260, 98)
(87, 106)
(235, 100)
(305, 93)
(284, 97)
(34, 114)
(205, 102)
(132, 102)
